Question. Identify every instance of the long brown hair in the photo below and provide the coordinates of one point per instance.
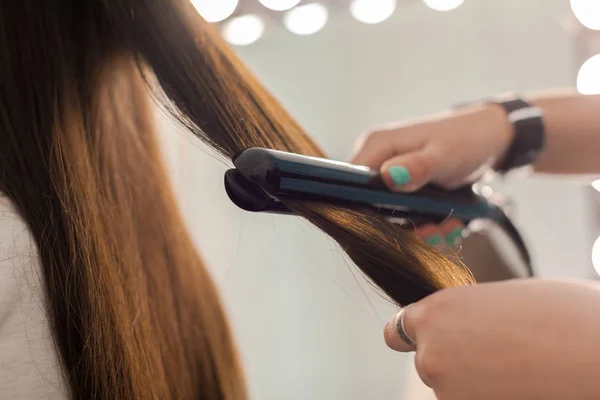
(133, 311)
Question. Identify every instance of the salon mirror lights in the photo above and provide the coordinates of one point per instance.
(372, 11)
(279, 5)
(244, 30)
(588, 78)
(596, 255)
(244, 23)
(587, 12)
(443, 5)
(215, 10)
(299, 17)
(306, 19)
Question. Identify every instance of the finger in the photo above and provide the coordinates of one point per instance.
(431, 234)
(450, 225)
(411, 171)
(376, 147)
(453, 231)
(393, 340)
(398, 326)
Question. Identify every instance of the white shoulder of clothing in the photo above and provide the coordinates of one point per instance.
(29, 367)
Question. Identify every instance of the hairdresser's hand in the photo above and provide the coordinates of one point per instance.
(448, 149)
(517, 340)
(447, 235)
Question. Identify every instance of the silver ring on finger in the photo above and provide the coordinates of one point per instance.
(401, 330)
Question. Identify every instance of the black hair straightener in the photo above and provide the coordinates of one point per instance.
(263, 177)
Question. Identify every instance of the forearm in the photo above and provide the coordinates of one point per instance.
(572, 123)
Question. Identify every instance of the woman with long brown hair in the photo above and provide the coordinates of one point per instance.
(124, 308)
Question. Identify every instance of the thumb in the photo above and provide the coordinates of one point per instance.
(401, 329)
(410, 171)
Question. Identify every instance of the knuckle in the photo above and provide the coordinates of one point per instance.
(453, 183)
(420, 171)
(429, 366)
(437, 307)
(423, 166)
(418, 315)
(371, 137)
(434, 156)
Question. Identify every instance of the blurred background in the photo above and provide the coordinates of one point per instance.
(308, 325)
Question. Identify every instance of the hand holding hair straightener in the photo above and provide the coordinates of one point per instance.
(263, 177)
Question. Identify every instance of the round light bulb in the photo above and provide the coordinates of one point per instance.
(244, 30)
(596, 256)
(215, 10)
(587, 12)
(306, 19)
(372, 11)
(279, 5)
(443, 5)
(588, 78)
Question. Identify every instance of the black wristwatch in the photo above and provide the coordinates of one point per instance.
(529, 134)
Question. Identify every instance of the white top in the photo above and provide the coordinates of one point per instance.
(29, 367)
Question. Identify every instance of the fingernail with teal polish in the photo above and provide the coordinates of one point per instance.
(454, 236)
(434, 240)
(400, 175)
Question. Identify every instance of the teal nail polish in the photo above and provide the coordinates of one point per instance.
(453, 236)
(434, 240)
(400, 175)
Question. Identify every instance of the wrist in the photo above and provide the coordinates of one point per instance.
(528, 137)
(514, 132)
(502, 131)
